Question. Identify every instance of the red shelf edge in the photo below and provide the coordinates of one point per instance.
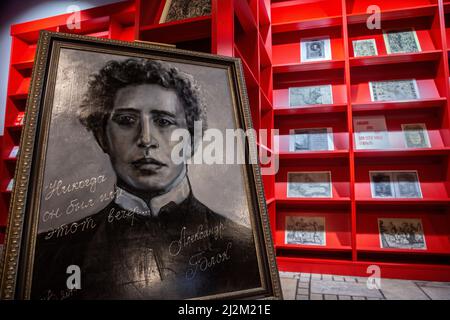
(402, 152)
(331, 154)
(401, 251)
(313, 248)
(402, 201)
(308, 66)
(316, 23)
(433, 55)
(399, 13)
(247, 70)
(396, 105)
(320, 201)
(329, 108)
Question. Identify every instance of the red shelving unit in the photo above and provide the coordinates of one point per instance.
(266, 35)
(352, 237)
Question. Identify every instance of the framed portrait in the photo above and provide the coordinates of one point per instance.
(394, 90)
(401, 41)
(311, 95)
(311, 139)
(316, 184)
(175, 10)
(416, 135)
(309, 231)
(315, 49)
(398, 233)
(365, 48)
(109, 202)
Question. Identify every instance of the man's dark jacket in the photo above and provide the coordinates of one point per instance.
(187, 251)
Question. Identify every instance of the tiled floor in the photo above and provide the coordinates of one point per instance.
(306, 286)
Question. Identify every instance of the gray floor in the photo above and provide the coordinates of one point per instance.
(306, 286)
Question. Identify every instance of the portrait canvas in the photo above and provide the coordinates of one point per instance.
(175, 10)
(309, 185)
(365, 48)
(394, 90)
(311, 95)
(308, 231)
(416, 135)
(401, 41)
(311, 139)
(317, 49)
(114, 193)
(401, 234)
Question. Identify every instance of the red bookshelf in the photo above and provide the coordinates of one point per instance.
(266, 35)
(352, 237)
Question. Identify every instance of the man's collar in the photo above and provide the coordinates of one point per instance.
(130, 202)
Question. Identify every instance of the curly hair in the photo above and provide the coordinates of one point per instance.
(103, 86)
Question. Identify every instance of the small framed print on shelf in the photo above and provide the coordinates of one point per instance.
(371, 133)
(312, 95)
(365, 48)
(401, 41)
(14, 152)
(395, 184)
(311, 139)
(394, 90)
(315, 49)
(175, 10)
(307, 231)
(401, 234)
(316, 184)
(416, 135)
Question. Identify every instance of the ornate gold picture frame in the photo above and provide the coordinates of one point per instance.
(100, 209)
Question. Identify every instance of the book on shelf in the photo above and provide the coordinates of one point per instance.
(370, 133)
(401, 233)
(365, 48)
(307, 231)
(316, 184)
(311, 139)
(395, 184)
(310, 95)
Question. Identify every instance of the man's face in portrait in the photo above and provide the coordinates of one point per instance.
(138, 137)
